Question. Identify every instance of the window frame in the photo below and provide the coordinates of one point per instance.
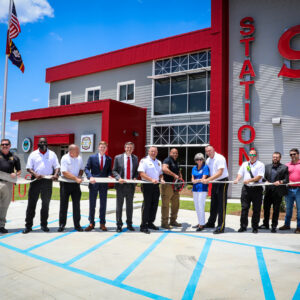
(64, 94)
(92, 89)
(122, 83)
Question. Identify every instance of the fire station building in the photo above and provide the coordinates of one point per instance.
(235, 85)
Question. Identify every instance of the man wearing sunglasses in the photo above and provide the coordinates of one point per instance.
(294, 191)
(252, 172)
(9, 163)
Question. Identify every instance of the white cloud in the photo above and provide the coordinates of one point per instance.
(35, 100)
(28, 11)
(56, 36)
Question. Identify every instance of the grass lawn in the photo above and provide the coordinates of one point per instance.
(55, 194)
(189, 205)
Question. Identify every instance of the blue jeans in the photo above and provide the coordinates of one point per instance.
(292, 196)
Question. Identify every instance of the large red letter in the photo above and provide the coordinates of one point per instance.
(285, 50)
(247, 69)
(240, 137)
(242, 153)
(246, 84)
(247, 43)
(246, 23)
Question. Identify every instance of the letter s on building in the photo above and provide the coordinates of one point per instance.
(286, 52)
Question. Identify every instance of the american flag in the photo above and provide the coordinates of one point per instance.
(14, 25)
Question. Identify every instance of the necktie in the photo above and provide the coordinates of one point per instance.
(128, 168)
(101, 163)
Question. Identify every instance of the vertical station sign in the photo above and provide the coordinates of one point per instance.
(246, 77)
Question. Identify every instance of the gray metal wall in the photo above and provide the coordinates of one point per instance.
(85, 124)
(271, 96)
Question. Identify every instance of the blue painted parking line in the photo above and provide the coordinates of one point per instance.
(297, 293)
(236, 243)
(87, 274)
(191, 287)
(139, 260)
(34, 227)
(85, 253)
(264, 275)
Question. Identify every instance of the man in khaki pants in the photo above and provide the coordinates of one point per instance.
(9, 163)
(171, 171)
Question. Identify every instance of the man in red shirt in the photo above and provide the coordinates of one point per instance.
(294, 191)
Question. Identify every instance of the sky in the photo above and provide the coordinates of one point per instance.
(55, 32)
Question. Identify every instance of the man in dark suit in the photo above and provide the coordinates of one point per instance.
(276, 173)
(125, 167)
(98, 165)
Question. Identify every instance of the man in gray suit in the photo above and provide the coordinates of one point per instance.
(125, 167)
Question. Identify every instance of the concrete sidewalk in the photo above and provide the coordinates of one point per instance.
(176, 264)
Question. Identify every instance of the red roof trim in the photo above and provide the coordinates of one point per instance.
(170, 46)
(65, 110)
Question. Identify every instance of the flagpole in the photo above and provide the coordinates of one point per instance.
(5, 81)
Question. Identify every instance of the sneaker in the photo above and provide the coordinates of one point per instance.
(284, 227)
(297, 230)
(175, 224)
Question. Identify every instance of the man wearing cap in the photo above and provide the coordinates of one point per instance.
(150, 170)
(41, 162)
(9, 163)
(71, 168)
(252, 172)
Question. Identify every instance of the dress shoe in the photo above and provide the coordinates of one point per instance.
(78, 228)
(26, 230)
(218, 231)
(254, 230)
(284, 227)
(119, 229)
(263, 227)
(3, 230)
(175, 224)
(200, 228)
(90, 227)
(166, 226)
(207, 225)
(145, 230)
(61, 229)
(152, 226)
(195, 226)
(130, 228)
(45, 228)
(297, 230)
(273, 230)
(242, 229)
(103, 227)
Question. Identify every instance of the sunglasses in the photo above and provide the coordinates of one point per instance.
(5, 145)
(198, 159)
(293, 154)
(252, 155)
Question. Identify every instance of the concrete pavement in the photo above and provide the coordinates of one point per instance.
(176, 264)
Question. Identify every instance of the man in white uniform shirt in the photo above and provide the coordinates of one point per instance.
(150, 169)
(71, 168)
(41, 162)
(218, 171)
(252, 172)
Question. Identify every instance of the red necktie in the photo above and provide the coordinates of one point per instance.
(128, 168)
(101, 163)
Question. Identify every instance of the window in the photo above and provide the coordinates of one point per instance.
(126, 91)
(181, 63)
(92, 94)
(182, 94)
(64, 98)
(192, 134)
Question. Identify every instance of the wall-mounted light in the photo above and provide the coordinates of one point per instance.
(276, 121)
(135, 133)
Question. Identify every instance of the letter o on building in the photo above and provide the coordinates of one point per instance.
(252, 131)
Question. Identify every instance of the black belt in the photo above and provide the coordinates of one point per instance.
(294, 187)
